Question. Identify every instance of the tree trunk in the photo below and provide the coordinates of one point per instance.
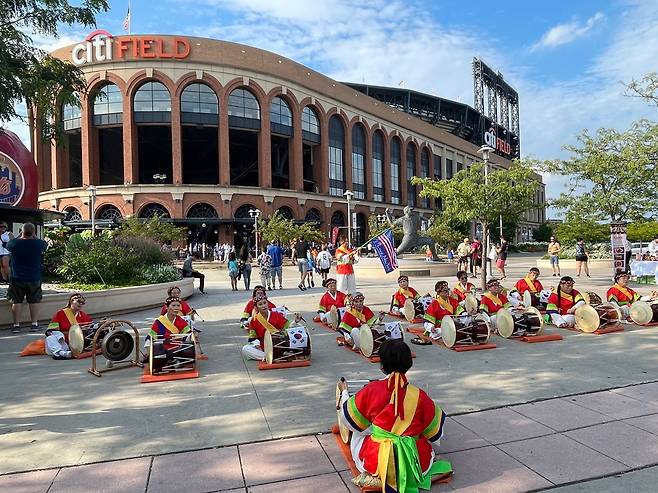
(485, 256)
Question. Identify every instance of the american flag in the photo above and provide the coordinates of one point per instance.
(385, 248)
(126, 21)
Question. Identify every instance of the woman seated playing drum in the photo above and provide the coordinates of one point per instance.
(250, 308)
(563, 303)
(170, 323)
(57, 347)
(443, 304)
(529, 283)
(70, 315)
(357, 315)
(186, 311)
(623, 296)
(494, 300)
(264, 320)
(396, 427)
(403, 293)
(463, 287)
(332, 297)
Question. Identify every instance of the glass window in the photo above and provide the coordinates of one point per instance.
(280, 112)
(151, 97)
(438, 172)
(425, 173)
(199, 98)
(336, 161)
(411, 171)
(396, 157)
(242, 103)
(448, 169)
(358, 162)
(310, 121)
(71, 116)
(108, 100)
(378, 167)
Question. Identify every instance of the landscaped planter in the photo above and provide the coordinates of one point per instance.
(571, 264)
(102, 302)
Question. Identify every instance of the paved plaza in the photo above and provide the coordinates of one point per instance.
(522, 416)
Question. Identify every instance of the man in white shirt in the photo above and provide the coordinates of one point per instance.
(653, 247)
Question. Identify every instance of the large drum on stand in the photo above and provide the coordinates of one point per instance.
(529, 322)
(370, 338)
(643, 312)
(174, 354)
(464, 330)
(591, 318)
(287, 345)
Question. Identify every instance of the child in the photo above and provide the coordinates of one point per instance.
(311, 267)
(233, 271)
(451, 255)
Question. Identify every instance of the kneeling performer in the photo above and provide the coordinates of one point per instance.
(264, 320)
(404, 293)
(529, 283)
(396, 427)
(463, 287)
(562, 304)
(493, 300)
(331, 301)
(165, 327)
(357, 315)
(443, 304)
(623, 296)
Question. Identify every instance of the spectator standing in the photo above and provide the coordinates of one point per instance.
(502, 257)
(25, 279)
(582, 257)
(554, 249)
(476, 257)
(310, 260)
(301, 254)
(5, 238)
(245, 265)
(233, 270)
(264, 262)
(188, 271)
(324, 262)
(653, 247)
(276, 254)
(463, 253)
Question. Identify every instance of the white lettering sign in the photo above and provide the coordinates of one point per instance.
(96, 48)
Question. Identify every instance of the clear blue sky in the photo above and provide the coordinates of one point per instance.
(567, 59)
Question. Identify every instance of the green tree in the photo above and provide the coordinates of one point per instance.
(31, 75)
(471, 197)
(575, 227)
(543, 232)
(377, 227)
(613, 174)
(446, 232)
(645, 88)
(644, 231)
(277, 227)
(155, 229)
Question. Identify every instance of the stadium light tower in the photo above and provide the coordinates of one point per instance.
(484, 151)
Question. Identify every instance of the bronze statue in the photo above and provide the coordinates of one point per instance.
(410, 223)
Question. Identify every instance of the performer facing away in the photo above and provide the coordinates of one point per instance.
(332, 297)
(264, 320)
(443, 304)
(403, 293)
(345, 258)
(352, 320)
(623, 296)
(493, 300)
(562, 304)
(463, 287)
(250, 308)
(396, 427)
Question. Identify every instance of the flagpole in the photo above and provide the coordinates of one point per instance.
(378, 234)
(130, 20)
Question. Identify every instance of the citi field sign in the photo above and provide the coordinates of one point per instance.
(499, 144)
(101, 46)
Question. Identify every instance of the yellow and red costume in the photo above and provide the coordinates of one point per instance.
(527, 284)
(65, 318)
(565, 303)
(353, 319)
(402, 295)
(403, 421)
(343, 267)
(328, 300)
(492, 303)
(163, 328)
(185, 309)
(440, 307)
(274, 322)
(623, 296)
(250, 309)
(460, 291)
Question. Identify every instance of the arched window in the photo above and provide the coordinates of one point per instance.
(108, 106)
(242, 212)
(72, 214)
(243, 109)
(358, 162)
(336, 156)
(108, 213)
(310, 125)
(396, 157)
(313, 216)
(280, 117)
(71, 116)
(199, 105)
(152, 103)
(425, 173)
(153, 210)
(338, 219)
(202, 210)
(411, 171)
(360, 229)
(71, 120)
(377, 167)
(286, 212)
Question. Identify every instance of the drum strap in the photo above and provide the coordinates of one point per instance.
(70, 316)
(266, 323)
(168, 324)
(446, 305)
(358, 315)
(531, 285)
(407, 293)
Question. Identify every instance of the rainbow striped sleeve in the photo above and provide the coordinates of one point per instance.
(353, 416)
(434, 430)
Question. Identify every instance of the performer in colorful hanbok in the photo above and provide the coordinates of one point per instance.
(169, 324)
(529, 283)
(345, 260)
(562, 304)
(331, 298)
(70, 315)
(494, 300)
(403, 293)
(396, 427)
(357, 315)
(250, 308)
(463, 287)
(264, 320)
(443, 304)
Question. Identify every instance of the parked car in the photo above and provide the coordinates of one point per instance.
(641, 247)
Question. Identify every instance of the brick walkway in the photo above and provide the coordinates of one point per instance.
(567, 440)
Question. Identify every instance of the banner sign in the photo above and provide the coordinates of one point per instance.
(618, 243)
(334, 234)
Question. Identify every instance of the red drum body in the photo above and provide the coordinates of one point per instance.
(287, 345)
(470, 331)
(172, 355)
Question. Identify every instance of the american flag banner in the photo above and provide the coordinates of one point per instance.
(385, 248)
(126, 21)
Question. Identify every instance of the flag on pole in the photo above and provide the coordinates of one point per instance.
(126, 21)
(385, 248)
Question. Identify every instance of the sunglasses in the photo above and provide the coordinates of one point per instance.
(566, 282)
(463, 278)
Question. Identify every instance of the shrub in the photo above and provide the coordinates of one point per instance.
(152, 274)
(597, 251)
(147, 250)
(532, 246)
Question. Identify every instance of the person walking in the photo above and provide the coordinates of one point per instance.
(188, 271)
(310, 260)
(275, 252)
(301, 254)
(25, 278)
(582, 257)
(5, 238)
(324, 262)
(502, 257)
(476, 257)
(233, 270)
(463, 254)
(554, 249)
(244, 265)
(264, 262)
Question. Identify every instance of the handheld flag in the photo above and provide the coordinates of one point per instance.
(385, 248)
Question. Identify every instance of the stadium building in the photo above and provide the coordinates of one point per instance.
(204, 131)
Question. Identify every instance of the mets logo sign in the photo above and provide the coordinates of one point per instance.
(12, 182)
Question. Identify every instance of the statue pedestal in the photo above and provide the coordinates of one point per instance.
(410, 265)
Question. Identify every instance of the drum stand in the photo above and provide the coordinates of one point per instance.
(182, 367)
(106, 327)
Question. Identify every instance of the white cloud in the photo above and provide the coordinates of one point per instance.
(566, 33)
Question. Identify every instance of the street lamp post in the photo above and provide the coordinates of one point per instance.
(484, 151)
(255, 213)
(348, 195)
(92, 204)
